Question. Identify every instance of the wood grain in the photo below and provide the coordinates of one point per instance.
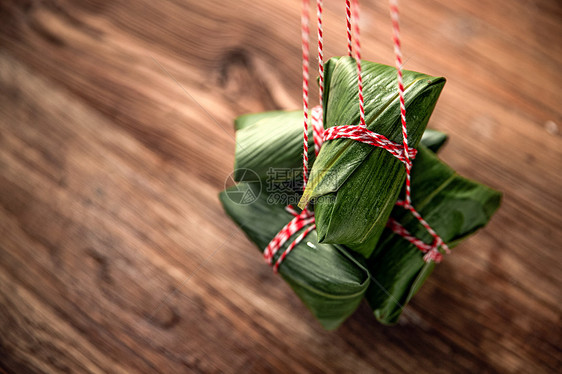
(116, 137)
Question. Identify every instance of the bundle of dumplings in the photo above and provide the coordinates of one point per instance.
(352, 252)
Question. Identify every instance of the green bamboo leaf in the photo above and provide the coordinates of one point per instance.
(270, 141)
(354, 185)
(454, 206)
(249, 119)
(329, 281)
(434, 140)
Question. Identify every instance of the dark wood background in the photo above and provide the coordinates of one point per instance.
(115, 254)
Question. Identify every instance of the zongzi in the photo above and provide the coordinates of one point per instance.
(354, 186)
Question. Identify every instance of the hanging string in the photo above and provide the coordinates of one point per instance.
(305, 219)
(317, 128)
(319, 5)
(316, 113)
(305, 78)
(433, 253)
(398, 60)
(361, 133)
(348, 24)
(355, 12)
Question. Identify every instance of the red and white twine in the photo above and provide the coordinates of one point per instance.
(432, 253)
(300, 220)
(364, 135)
(317, 128)
(305, 78)
(348, 26)
(305, 220)
(355, 13)
(400, 230)
(319, 5)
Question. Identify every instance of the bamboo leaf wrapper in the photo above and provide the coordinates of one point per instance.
(270, 140)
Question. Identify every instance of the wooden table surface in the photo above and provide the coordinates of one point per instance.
(116, 137)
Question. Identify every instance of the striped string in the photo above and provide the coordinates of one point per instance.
(364, 135)
(397, 228)
(433, 254)
(355, 13)
(398, 60)
(348, 24)
(305, 219)
(305, 78)
(316, 113)
(319, 5)
(317, 128)
(299, 221)
(428, 249)
(292, 245)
